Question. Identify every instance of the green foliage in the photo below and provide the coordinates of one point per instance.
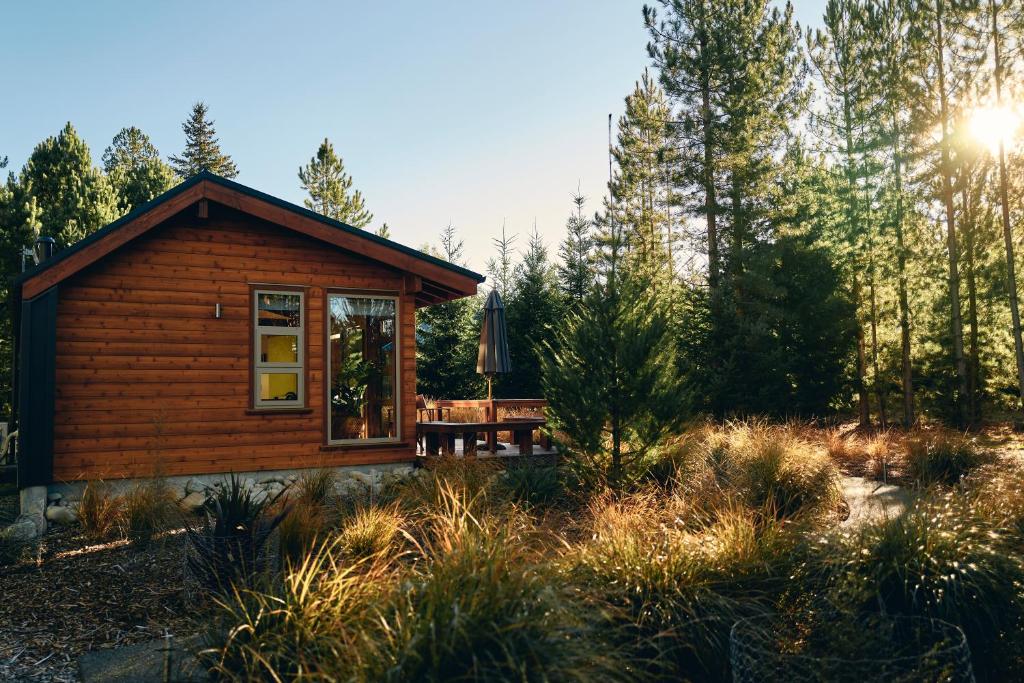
(330, 189)
(533, 485)
(532, 312)
(227, 550)
(202, 148)
(575, 269)
(135, 169)
(447, 337)
(73, 199)
(611, 380)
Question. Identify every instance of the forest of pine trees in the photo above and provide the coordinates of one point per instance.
(830, 215)
(829, 218)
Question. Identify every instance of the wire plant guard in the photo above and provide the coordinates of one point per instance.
(840, 648)
(493, 357)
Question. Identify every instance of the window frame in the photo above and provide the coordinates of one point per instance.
(257, 368)
(328, 417)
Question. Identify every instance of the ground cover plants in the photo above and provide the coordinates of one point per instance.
(464, 572)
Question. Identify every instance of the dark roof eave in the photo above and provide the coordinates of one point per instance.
(237, 187)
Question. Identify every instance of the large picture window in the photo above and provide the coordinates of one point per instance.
(279, 341)
(363, 361)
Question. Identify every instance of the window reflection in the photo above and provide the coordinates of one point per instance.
(362, 357)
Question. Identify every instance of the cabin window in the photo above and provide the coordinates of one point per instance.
(362, 354)
(279, 363)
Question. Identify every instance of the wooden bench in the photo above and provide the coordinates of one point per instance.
(440, 436)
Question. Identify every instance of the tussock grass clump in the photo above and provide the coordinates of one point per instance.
(371, 531)
(318, 486)
(306, 523)
(846, 451)
(942, 456)
(532, 485)
(769, 468)
(672, 593)
(429, 488)
(485, 608)
(146, 510)
(946, 557)
(473, 600)
(100, 512)
(314, 624)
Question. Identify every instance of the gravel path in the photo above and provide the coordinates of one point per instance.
(870, 500)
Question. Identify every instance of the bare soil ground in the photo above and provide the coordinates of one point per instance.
(61, 597)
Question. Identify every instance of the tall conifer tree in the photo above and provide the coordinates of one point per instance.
(202, 148)
(135, 169)
(72, 197)
(330, 188)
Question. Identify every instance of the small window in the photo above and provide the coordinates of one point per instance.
(279, 363)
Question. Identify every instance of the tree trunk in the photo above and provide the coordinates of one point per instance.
(956, 323)
(863, 399)
(710, 201)
(879, 382)
(968, 227)
(1011, 271)
(901, 271)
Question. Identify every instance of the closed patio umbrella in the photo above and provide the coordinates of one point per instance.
(493, 355)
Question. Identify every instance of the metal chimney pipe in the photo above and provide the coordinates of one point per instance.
(43, 249)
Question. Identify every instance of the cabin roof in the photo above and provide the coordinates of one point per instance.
(433, 280)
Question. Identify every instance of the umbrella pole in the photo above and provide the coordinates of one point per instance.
(490, 392)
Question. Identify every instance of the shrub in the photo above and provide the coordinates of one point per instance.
(99, 512)
(942, 457)
(943, 558)
(147, 510)
(228, 548)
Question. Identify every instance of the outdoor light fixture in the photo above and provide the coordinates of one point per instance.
(216, 311)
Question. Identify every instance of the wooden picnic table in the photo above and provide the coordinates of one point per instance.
(440, 435)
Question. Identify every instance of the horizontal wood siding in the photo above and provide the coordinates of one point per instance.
(148, 380)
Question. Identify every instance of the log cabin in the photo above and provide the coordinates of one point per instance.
(218, 329)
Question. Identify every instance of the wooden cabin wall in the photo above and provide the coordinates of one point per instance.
(149, 381)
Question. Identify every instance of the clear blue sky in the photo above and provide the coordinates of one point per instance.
(472, 113)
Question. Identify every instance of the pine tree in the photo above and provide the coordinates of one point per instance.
(330, 188)
(610, 377)
(19, 226)
(892, 60)
(446, 339)
(73, 198)
(575, 271)
(202, 148)
(384, 232)
(687, 50)
(501, 269)
(640, 191)
(135, 169)
(531, 315)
